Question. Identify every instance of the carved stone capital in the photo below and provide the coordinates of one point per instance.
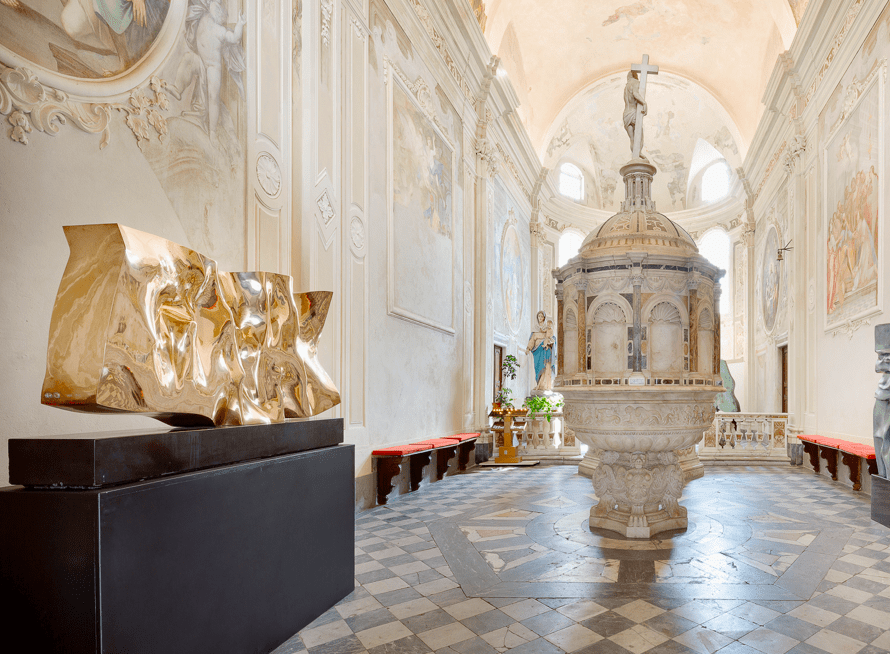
(536, 229)
(487, 157)
(798, 146)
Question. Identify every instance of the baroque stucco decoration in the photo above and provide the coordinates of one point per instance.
(46, 81)
(29, 106)
(143, 325)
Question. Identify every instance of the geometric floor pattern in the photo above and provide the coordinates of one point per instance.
(774, 561)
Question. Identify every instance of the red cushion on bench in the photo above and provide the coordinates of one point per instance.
(461, 437)
(859, 449)
(400, 450)
(436, 442)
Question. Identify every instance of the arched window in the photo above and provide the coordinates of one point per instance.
(715, 181)
(569, 244)
(715, 246)
(571, 182)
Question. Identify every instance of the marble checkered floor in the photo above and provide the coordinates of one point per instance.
(775, 560)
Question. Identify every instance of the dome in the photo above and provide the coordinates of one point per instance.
(638, 226)
(638, 230)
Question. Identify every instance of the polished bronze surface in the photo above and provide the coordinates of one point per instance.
(143, 325)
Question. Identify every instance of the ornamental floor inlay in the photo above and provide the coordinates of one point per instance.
(497, 560)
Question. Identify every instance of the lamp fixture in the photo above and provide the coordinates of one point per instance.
(786, 248)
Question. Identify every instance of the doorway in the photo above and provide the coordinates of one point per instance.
(783, 363)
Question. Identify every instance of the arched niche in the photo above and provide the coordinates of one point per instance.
(705, 342)
(667, 342)
(570, 357)
(609, 337)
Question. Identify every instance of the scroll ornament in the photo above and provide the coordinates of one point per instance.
(143, 325)
(29, 105)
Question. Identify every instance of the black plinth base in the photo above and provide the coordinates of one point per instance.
(106, 458)
(235, 559)
(880, 500)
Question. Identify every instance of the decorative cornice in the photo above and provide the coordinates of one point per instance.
(852, 13)
(854, 91)
(769, 168)
(511, 165)
(420, 90)
(427, 21)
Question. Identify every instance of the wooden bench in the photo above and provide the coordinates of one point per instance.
(851, 455)
(390, 460)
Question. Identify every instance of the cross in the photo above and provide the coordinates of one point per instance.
(643, 70)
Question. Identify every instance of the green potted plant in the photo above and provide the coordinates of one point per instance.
(541, 405)
(503, 401)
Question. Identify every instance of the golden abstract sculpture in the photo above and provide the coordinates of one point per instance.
(143, 325)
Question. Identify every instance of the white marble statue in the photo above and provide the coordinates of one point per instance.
(635, 104)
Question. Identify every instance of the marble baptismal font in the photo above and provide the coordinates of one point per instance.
(638, 314)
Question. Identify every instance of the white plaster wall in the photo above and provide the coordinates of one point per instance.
(51, 182)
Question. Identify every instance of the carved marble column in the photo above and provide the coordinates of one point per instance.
(636, 280)
(693, 323)
(715, 311)
(581, 285)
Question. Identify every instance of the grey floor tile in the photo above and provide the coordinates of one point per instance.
(547, 623)
(833, 603)
(409, 645)
(398, 596)
(608, 624)
(856, 629)
(370, 619)
(473, 646)
(487, 622)
(793, 627)
(538, 646)
(347, 645)
(669, 625)
(426, 621)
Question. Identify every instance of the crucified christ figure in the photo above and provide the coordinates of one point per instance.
(635, 104)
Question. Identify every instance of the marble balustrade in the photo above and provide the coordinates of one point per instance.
(747, 438)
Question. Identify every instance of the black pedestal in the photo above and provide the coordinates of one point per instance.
(233, 559)
(118, 457)
(880, 500)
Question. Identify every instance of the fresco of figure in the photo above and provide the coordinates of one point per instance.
(540, 346)
(213, 47)
(882, 401)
